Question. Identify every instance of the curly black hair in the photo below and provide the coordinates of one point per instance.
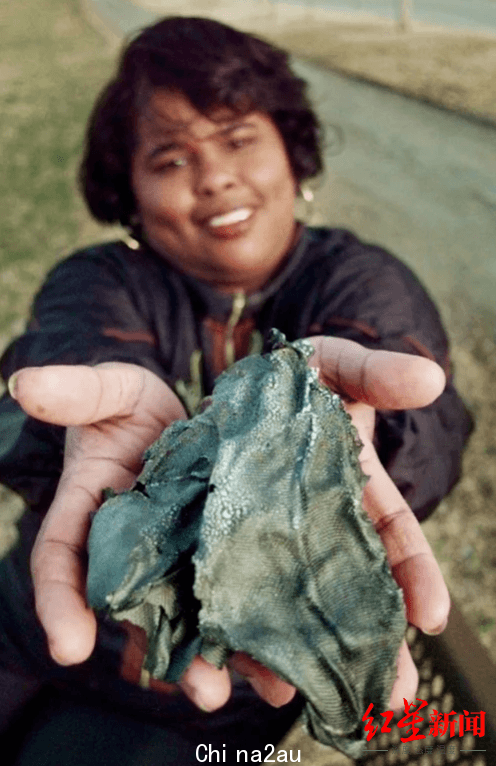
(212, 64)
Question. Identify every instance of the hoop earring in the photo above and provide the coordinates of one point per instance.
(130, 241)
(307, 193)
(306, 208)
(127, 236)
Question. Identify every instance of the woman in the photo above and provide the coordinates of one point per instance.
(198, 147)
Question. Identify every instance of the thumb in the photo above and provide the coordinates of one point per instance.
(69, 395)
(383, 379)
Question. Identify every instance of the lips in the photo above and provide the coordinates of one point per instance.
(232, 223)
(234, 216)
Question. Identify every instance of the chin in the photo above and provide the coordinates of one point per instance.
(239, 278)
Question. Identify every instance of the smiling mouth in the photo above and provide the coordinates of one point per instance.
(228, 219)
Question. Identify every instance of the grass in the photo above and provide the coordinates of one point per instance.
(462, 532)
(445, 67)
(51, 65)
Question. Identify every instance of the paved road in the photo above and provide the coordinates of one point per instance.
(416, 178)
(409, 176)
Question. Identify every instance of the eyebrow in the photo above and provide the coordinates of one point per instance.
(166, 146)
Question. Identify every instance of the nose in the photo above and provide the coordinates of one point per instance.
(215, 173)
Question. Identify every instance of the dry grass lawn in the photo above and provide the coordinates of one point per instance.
(446, 67)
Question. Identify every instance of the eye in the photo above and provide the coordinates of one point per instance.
(178, 162)
(169, 165)
(241, 140)
(168, 162)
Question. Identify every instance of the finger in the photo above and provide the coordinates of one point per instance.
(77, 394)
(206, 686)
(58, 559)
(383, 379)
(409, 554)
(406, 683)
(266, 683)
(58, 569)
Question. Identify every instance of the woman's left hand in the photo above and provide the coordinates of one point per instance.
(370, 380)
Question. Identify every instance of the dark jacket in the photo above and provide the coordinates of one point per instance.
(113, 303)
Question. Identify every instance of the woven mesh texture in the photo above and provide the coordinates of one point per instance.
(436, 687)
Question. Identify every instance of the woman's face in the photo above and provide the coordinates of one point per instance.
(215, 195)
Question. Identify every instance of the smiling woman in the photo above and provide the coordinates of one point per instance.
(226, 131)
(198, 146)
(223, 69)
(214, 195)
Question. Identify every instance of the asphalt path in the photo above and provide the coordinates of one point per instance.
(416, 179)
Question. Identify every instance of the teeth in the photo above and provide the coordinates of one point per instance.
(235, 216)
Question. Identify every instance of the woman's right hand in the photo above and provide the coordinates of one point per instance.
(112, 412)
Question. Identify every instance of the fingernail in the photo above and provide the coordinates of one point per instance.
(12, 385)
(264, 693)
(60, 660)
(196, 698)
(436, 631)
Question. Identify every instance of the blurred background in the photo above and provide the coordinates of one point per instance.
(406, 91)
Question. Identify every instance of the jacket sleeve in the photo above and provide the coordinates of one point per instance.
(85, 313)
(377, 301)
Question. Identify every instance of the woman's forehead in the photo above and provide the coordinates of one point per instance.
(172, 111)
(170, 114)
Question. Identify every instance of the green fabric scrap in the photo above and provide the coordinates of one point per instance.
(245, 532)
